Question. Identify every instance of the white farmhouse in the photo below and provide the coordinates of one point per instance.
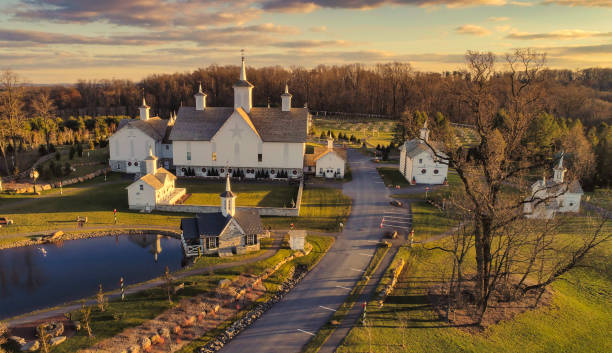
(419, 164)
(549, 197)
(130, 144)
(157, 187)
(328, 162)
(212, 141)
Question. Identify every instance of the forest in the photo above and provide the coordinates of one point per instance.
(90, 110)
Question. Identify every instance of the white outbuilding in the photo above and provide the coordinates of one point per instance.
(157, 187)
(552, 196)
(419, 163)
(130, 144)
(326, 162)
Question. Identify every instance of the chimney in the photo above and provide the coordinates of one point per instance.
(200, 99)
(151, 162)
(144, 110)
(286, 100)
(425, 132)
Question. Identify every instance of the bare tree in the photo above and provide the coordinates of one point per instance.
(3, 334)
(86, 318)
(501, 159)
(44, 337)
(44, 107)
(11, 112)
(168, 283)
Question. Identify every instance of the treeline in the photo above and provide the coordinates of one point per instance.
(388, 89)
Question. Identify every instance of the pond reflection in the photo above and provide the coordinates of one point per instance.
(40, 276)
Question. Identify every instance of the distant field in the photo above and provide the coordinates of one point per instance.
(376, 131)
(247, 194)
(601, 197)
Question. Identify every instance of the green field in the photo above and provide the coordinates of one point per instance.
(376, 131)
(579, 319)
(322, 209)
(392, 176)
(247, 194)
(601, 197)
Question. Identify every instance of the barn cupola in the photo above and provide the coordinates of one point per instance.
(243, 91)
(144, 110)
(424, 132)
(200, 99)
(330, 143)
(151, 162)
(559, 171)
(286, 100)
(228, 199)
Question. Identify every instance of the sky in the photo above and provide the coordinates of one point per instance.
(62, 41)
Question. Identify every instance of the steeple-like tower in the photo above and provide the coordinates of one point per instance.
(424, 132)
(144, 110)
(151, 162)
(286, 99)
(200, 99)
(243, 91)
(559, 171)
(228, 199)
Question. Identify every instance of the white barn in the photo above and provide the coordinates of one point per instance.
(552, 196)
(419, 164)
(208, 140)
(155, 187)
(130, 144)
(328, 162)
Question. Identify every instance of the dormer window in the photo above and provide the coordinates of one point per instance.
(420, 160)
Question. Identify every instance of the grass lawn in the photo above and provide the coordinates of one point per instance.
(322, 209)
(428, 221)
(392, 176)
(206, 192)
(94, 199)
(377, 132)
(98, 156)
(579, 319)
(601, 197)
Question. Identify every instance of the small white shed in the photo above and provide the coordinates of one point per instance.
(297, 239)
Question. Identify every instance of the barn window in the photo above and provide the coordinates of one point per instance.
(188, 156)
(135, 164)
(250, 239)
(423, 171)
(436, 171)
(420, 160)
(129, 164)
(259, 157)
(214, 156)
(141, 187)
(571, 204)
(167, 147)
(212, 242)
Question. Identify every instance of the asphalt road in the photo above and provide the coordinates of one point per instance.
(298, 316)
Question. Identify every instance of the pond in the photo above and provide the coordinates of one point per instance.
(41, 276)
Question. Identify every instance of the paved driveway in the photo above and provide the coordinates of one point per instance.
(292, 322)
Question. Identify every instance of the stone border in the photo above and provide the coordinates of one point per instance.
(49, 186)
(93, 234)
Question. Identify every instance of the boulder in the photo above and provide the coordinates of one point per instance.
(134, 349)
(144, 342)
(20, 341)
(57, 340)
(157, 339)
(30, 346)
(164, 332)
(189, 321)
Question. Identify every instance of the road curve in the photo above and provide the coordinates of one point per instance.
(289, 324)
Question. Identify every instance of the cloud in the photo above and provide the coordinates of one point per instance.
(499, 19)
(473, 30)
(585, 3)
(142, 13)
(561, 34)
(582, 49)
(306, 6)
(318, 29)
(312, 43)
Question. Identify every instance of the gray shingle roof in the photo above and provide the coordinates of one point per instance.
(416, 146)
(154, 127)
(211, 224)
(272, 124)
